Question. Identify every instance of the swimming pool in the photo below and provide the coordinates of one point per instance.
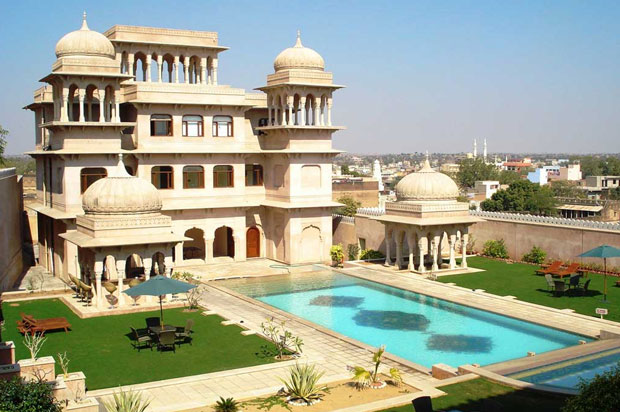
(566, 374)
(416, 327)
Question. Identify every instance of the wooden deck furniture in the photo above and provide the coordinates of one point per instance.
(573, 268)
(551, 268)
(29, 324)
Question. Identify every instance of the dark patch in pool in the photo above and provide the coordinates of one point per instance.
(391, 319)
(338, 301)
(460, 343)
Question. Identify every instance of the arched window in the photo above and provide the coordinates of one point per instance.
(193, 177)
(253, 175)
(192, 126)
(223, 176)
(162, 177)
(90, 175)
(161, 125)
(222, 126)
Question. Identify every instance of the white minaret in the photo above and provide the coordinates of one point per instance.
(376, 173)
(475, 148)
(484, 150)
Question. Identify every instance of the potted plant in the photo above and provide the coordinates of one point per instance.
(370, 378)
(36, 368)
(337, 255)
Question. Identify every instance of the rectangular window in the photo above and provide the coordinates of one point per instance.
(253, 175)
(362, 242)
(161, 125)
(223, 176)
(222, 126)
(192, 126)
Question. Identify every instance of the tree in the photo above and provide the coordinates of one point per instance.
(614, 193)
(522, 196)
(564, 188)
(17, 395)
(471, 170)
(346, 171)
(3, 135)
(599, 394)
(350, 206)
(508, 177)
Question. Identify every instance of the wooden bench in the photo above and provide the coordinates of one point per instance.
(29, 324)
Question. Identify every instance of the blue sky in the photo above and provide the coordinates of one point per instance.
(536, 76)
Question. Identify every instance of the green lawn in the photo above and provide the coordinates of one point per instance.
(520, 280)
(100, 347)
(468, 396)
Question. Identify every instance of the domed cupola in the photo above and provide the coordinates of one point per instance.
(120, 194)
(85, 42)
(426, 184)
(298, 57)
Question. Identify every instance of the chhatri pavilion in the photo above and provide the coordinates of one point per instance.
(428, 219)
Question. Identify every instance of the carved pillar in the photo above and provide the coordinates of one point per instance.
(97, 293)
(464, 240)
(290, 102)
(101, 94)
(317, 111)
(130, 60)
(214, 71)
(64, 108)
(282, 114)
(120, 270)
(147, 70)
(422, 240)
(81, 95)
(388, 246)
(176, 69)
(452, 250)
(329, 112)
(411, 245)
(269, 112)
(203, 70)
(160, 68)
(302, 110)
(186, 70)
(436, 240)
(117, 110)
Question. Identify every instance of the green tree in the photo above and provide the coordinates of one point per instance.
(614, 193)
(346, 171)
(599, 394)
(3, 135)
(522, 196)
(17, 395)
(350, 206)
(471, 170)
(508, 177)
(564, 188)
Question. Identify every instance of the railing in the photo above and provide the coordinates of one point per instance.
(371, 211)
(346, 219)
(518, 217)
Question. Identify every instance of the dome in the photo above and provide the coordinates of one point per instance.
(426, 184)
(298, 57)
(121, 194)
(85, 42)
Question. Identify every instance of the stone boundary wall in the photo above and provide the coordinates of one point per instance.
(11, 207)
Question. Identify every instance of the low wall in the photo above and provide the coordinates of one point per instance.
(11, 263)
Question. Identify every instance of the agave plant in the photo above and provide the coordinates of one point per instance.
(127, 401)
(226, 405)
(302, 383)
(364, 377)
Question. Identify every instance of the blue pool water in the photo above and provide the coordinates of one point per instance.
(416, 327)
(567, 374)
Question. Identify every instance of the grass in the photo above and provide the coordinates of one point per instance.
(469, 396)
(101, 347)
(520, 280)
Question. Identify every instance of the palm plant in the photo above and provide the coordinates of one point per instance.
(226, 405)
(127, 401)
(302, 384)
(364, 377)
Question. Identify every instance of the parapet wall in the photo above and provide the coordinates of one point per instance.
(10, 228)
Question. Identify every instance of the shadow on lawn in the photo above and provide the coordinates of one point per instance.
(571, 293)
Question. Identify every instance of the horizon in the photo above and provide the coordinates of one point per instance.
(527, 77)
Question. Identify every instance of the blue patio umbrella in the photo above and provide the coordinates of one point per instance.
(159, 286)
(603, 251)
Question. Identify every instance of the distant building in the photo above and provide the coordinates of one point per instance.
(449, 168)
(538, 176)
(570, 172)
(517, 166)
(597, 186)
(590, 209)
(363, 189)
(485, 188)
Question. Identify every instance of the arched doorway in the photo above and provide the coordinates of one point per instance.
(195, 248)
(252, 240)
(311, 248)
(224, 244)
(133, 266)
(109, 269)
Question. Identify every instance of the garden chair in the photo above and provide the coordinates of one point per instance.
(551, 268)
(560, 287)
(583, 290)
(141, 340)
(574, 282)
(550, 284)
(166, 339)
(184, 334)
(154, 321)
(422, 404)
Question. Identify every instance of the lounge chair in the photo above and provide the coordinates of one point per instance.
(166, 339)
(111, 288)
(554, 266)
(88, 293)
(184, 334)
(76, 283)
(141, 339)
(573, 268)
(29, 324)
(422, 404)
(550, 284)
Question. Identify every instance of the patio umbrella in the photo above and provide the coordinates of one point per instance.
(603, 251)
(159, 286)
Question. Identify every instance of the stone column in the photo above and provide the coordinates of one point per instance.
(323, 109)
(147, 73)
(464, 240)
(411, 244)
(291, 101)
(160, 68)
(269, 113)
(101, 94)
(117, 108)
(176, 69)
(436, 240)
(98, 294)
(452, 250)
(130, 61)
(178, 254)
(203, 70)
(147, 263)
(421, 242)
(398, 238)
(317, 111)
(282, 115)
(64, 117)
(120, 271)
(81, 95)
(90, 109)
(186, 69)
(388, 246)
(302, 110)
(209, 250)
(329, 112)
(214, 72)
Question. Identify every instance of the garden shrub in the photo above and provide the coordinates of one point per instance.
(337, 254)
(495, 248)
(353, 251)
(17, 395)
(369, 254)
(536, 255)
(600, 394)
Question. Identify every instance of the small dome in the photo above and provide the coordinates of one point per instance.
(426, 184)
(298, 57)
(121, 194)
(85, 42)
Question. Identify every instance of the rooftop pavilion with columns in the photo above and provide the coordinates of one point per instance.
(425, 220)
(239, 174)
